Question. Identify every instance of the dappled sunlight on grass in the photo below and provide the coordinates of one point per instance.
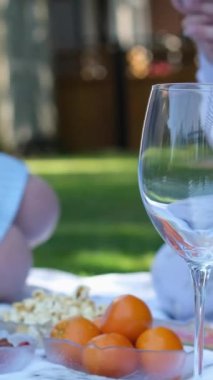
(111, 261)
(103, 260)
(83, 165)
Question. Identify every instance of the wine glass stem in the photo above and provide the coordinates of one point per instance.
(200, 277)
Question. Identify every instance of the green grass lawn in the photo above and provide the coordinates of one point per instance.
(103, 226)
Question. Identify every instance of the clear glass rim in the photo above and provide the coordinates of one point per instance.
(180, 86)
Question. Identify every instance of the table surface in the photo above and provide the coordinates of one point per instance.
(104, 288)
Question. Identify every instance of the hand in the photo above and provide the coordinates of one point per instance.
(186, 6)
(199, 27)
(198, 23)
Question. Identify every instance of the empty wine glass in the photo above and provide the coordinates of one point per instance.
(176, 182)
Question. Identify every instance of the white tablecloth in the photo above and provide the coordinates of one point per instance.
(103, 288)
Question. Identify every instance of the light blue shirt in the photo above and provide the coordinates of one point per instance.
(13, 180)
(205, 70)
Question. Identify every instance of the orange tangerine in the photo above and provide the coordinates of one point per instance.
(111, 355)
(162, 352)
(98, 322)
(79, 331)
(127, 315)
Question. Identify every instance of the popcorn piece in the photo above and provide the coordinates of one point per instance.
(82, 292)
(47, 309)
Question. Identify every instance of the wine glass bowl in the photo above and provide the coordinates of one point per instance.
(176, 180)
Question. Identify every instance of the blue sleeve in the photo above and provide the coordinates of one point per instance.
(13, 180)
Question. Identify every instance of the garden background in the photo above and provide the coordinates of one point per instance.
(75, 81)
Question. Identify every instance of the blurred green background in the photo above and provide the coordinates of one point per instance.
(75, 81)
(103, 226)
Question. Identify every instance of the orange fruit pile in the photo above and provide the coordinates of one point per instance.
(120, 342)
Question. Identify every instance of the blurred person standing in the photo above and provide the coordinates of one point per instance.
(171, 276)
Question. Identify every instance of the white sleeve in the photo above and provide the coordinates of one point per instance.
(205, 70)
